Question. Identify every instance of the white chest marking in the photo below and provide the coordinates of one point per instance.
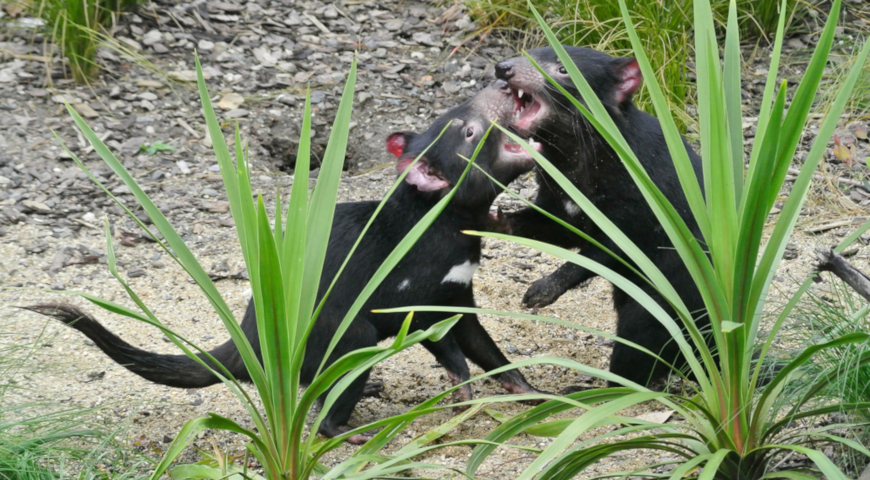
(405, 284)
(571, 208)
(461, 273)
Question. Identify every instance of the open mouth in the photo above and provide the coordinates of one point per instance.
(527, 108)
(515, 152)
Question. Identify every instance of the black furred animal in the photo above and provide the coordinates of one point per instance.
(576, 148)
(436, 271)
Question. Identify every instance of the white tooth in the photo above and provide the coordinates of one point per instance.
(520, 92)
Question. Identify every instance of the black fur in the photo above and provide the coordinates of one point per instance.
(580, 153)
(442, 247)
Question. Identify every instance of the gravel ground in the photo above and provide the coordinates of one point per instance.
(415, 61)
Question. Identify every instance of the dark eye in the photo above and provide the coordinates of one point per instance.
(469, 133)
(563, 71)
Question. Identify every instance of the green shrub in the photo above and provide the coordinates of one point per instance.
(77, 27)
(820, 317)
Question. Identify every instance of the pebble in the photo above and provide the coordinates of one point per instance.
(237, 113)
(37, 207)
(136, 273)
(89, 217)
(151, 37)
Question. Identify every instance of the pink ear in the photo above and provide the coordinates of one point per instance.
(630, 79)
(421, 175)
(396, 144)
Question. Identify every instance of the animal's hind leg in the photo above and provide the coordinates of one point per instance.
(637, 325)
(450, 356)
(481, 349)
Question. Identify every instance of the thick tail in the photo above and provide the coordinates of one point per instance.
(173, 370)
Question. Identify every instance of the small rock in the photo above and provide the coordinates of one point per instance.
(427, 39)
(182, 165)
(58, 287)
(265, 56)
(160, 48)
(796, 43)
(89, 217)
(205, 45)
(4, 180)
(188, 75)
(216, 207)
(147, 96)
(37, 207)
(130, 42)
(136, 273)
(237, 113)
(152, 37)
(393, 25)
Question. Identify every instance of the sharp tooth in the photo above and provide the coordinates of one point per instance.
(520, 92)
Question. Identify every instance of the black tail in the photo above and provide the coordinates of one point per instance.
(173, 370)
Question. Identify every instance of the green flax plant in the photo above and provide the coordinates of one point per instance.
(730, 425)
(284, 258)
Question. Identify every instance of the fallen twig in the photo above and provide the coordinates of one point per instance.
(831, 261)
(819, 176)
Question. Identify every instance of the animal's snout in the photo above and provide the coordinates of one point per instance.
(501, 85)
(504, 70)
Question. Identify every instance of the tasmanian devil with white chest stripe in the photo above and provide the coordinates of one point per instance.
(585, 158)
(436, 271)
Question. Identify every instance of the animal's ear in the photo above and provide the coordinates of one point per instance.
(630, 78)
(422, 174)
(397, 142)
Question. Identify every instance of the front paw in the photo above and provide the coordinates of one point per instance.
(542, 293)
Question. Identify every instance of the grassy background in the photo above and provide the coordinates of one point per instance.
(77, 27)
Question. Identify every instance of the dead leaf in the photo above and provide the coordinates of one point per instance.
(842, 152)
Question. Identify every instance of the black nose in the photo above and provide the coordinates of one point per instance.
(504, 70)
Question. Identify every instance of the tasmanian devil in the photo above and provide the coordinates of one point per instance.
(579, 151)
(436, 271)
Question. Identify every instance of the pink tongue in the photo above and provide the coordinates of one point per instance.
(512, 148)
(532, 109)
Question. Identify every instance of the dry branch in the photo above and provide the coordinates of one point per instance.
(830, 261)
